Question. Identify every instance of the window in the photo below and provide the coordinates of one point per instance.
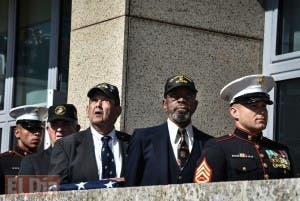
(0, 137)
(12, 139)
(281, 59)
(288, 37)
(64, 45)
(3, 47)
(34, 56)
(287, 123)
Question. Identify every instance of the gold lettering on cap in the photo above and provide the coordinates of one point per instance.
(60, 110)
(181, 78)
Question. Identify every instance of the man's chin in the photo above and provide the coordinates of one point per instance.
(181, 118)
(261, 127)
(57, 138)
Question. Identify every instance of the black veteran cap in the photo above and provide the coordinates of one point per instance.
(65, 112)
(110, 90)
(248, 89)
(179, 81)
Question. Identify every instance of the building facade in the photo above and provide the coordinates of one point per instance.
(55, 50)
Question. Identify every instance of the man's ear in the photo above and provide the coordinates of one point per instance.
(17, 132)
(196, 105)
(234, 112)
(118, 110)
(87, 111)
(164, 104)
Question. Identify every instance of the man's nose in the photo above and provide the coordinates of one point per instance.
(59, 128)
(38, 133)
(99, 102)
(181, 99)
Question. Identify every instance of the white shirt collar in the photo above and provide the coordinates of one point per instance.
(98, 135)
(114, 146)
(173, 129)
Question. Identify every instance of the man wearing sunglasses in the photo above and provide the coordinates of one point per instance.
(62, 121)
(28, 131)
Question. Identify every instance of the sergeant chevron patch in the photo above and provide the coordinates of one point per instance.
(203, 172)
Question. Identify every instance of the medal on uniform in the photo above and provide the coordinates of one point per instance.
(279, 159)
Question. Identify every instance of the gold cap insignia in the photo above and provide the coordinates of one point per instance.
(60, 110)
(182, 78)
(261, 80)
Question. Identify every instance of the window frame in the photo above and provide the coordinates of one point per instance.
(6, 122)
(281, 67)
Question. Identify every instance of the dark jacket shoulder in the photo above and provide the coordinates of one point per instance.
(224, 138)
(200, 134)
(82, 135)
(149, 132)
(123, 136)
(273, 144)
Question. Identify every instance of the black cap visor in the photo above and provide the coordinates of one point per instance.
(253, 98)
(63, 118)
(30, 125)
(188, 86)
(93, 92)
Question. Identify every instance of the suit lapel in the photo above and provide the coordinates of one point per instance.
(197, 147)
(198, 142)
(87, 156)
(123, 149)
(164, 154)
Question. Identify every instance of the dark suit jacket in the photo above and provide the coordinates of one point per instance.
(37, 163)
(10, 164)
(73, 157)
(151, 159)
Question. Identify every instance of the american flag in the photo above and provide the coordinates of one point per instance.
(107, 183)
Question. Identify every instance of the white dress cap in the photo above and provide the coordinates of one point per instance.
(247, 85)
(28, 112)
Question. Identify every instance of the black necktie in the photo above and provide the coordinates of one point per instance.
(107, 157)
(183, 149)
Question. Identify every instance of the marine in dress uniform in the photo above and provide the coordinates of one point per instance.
(245, 154)
(62, 121)
(29, 134)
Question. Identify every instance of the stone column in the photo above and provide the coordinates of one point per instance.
(138, 44)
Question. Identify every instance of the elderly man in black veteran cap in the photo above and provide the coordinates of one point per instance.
(167, 153)
(62, 121)
(28, 131)
(97, 152)
(245, 154)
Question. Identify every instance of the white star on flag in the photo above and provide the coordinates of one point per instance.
(109, 184)
(81, 185)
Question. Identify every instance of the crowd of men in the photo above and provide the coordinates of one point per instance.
(173, 152)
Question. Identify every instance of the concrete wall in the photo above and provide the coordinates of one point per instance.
(138, 44)
(97, 51)
(276, 190)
